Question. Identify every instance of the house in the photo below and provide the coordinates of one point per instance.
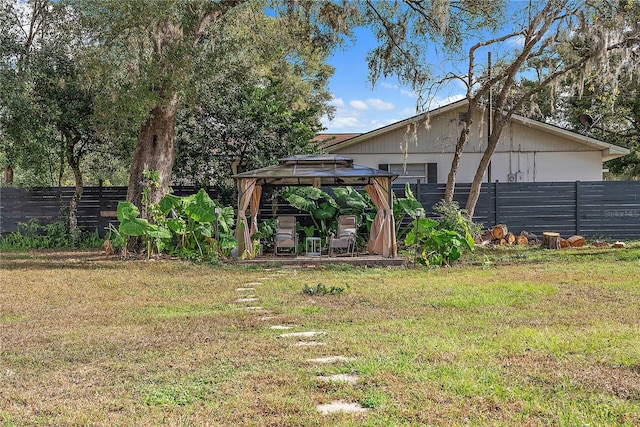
(528, 150)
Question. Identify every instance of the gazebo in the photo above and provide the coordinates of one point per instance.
(318, 170)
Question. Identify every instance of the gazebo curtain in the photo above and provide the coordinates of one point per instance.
(249, 196)
(382, 240)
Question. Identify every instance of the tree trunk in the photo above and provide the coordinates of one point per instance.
(154, 151)
(74, 164)
(8, 175)
(474, 192)
(457, 155)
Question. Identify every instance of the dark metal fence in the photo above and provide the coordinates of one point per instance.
(592, 209)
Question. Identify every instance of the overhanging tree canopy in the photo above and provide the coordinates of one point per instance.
(317, 171)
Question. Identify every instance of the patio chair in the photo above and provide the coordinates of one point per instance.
(286, 235)
(345, 235)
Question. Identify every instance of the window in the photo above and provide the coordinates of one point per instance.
(432, 173)
(411, 172)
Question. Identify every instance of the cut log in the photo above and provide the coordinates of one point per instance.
(600, 244)
(576, 241)
(499, 231)
(503, 241)
(563, 243)
(522, 240)
(551, 240)
(530, 236)
(511, 238)
(619, 245)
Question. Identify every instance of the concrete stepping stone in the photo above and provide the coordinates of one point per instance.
(247, 299)
(251, 284)
(308, 334)
(256, 308)
(339, 378)
(280, 327)
(332, 359)
(267, 318)
(309, 343)
(339, 406)
(245, 289)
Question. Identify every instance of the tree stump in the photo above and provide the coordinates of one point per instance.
(551, 240)
(499, 232)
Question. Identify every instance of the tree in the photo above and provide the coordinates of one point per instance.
(152, 57)
(562, 38)
(240, 126)
(571, 40)
(23, 27)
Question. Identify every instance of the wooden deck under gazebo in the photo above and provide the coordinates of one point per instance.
(317, 171)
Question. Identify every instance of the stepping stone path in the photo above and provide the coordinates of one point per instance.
(247, 300)
(339, 378)
(332, 359)
(305, 340)
(340, 406)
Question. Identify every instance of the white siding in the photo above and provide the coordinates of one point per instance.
(524, 153)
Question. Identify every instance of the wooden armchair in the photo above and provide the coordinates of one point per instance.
(345, 235)
(286, 235)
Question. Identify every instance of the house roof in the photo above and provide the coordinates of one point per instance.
(609, 151)
(318, 170)
(327, 140)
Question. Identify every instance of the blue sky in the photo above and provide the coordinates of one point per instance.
(359, 108)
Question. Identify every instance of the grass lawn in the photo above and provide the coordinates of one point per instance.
(508, 337)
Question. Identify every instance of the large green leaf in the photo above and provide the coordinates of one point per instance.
(300, 202)
(127, 211)
(324, 211)
(201, 208)
(168, 202)
(158, 232)
(134, 227)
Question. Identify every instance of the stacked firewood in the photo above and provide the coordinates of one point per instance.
(500, 235)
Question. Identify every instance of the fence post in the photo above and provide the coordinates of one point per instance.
(577, 212)
(418, 190)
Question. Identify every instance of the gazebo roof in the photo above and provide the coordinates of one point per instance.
(316, 170)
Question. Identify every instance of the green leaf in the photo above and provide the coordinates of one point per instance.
(134, 227)
(127, 211)
(324, 211)
(177, 225)
(158, 232)
(201, 208)
(168, 202)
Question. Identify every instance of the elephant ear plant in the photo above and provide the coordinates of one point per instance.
(184, 226)
(319, 204)
(439, 246)
(192, 219)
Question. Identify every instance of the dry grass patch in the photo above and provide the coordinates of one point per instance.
(90, 340)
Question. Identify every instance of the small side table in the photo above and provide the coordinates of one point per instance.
(313, 246)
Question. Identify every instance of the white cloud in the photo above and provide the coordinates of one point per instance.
(337, 102)
(379, 104)
(388, 85)
(359, 105)
(409, 93)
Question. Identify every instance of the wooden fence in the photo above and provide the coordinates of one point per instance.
(592, 209)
